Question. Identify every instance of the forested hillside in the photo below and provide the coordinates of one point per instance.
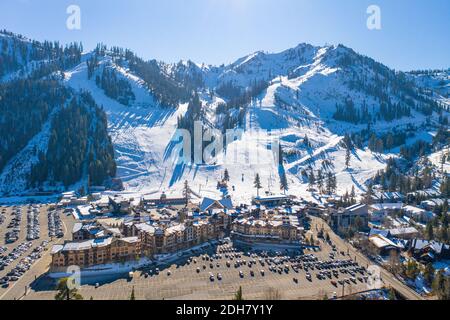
(24, 107)
(87, 148)
(169, 91)
(334, 113)
(114, 87)
(38, 59)
(33, 100)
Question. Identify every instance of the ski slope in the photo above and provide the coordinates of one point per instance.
(305, 83)
(142, 135)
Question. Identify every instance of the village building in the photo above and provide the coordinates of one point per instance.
(423, 194)
(71, 199)
(318, 210)
(93, 230)
(432, 204)
(428, 251)
(119, 205)
(271, 201)
(397, 233)
(163, 200)
(379, 211)
(346, 218)
(165, 238)
(404, 233)
(387, 197)
(418, 214)
(279, 229)
(383, 245)
(95, 252)
(208, 204)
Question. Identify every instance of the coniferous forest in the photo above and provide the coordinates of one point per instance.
(25, 106)
(114, 87)
(33, 98)
(87, 149)
(36, 93)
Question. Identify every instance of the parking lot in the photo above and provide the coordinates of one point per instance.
(312, 275)
(26, 235)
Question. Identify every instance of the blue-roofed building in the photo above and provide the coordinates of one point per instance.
(209, 205)
(384, 233)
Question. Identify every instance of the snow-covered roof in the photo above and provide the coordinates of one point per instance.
(77, 227)
(382, 242)
(272, 198)
(355, 207)
(402, 231)
(388, 195)
(130, 239)
(56, 248)
(275, 221)
(79, 246)
(145, 227)
(115, 231)
(433, 202)
(225, 203)
(387, 206)
(374, 231)
(427, 193)
(176, 228)
(436, 246)
(413, 210)
(199, 223)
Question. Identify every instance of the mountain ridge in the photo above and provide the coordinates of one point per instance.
(307, 97)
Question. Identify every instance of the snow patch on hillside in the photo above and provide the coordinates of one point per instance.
(15, 175)
(436, 159)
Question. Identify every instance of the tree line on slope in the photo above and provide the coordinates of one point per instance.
(79, 145)
(114, 87)
(16, 52)
(395, 94)
(167, 90)
(24, 107)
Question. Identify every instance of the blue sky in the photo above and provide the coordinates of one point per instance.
(415, 34)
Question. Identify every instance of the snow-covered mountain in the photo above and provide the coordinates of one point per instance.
(51, 136)
(434, 80)
(308, 98)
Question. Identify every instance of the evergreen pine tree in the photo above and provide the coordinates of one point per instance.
(238, 295)
(347, 157)
(429, 231)
(187, 192)
(132, 296)
(226, 175)
(311, 179)
(257, 183)
(283, 182)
